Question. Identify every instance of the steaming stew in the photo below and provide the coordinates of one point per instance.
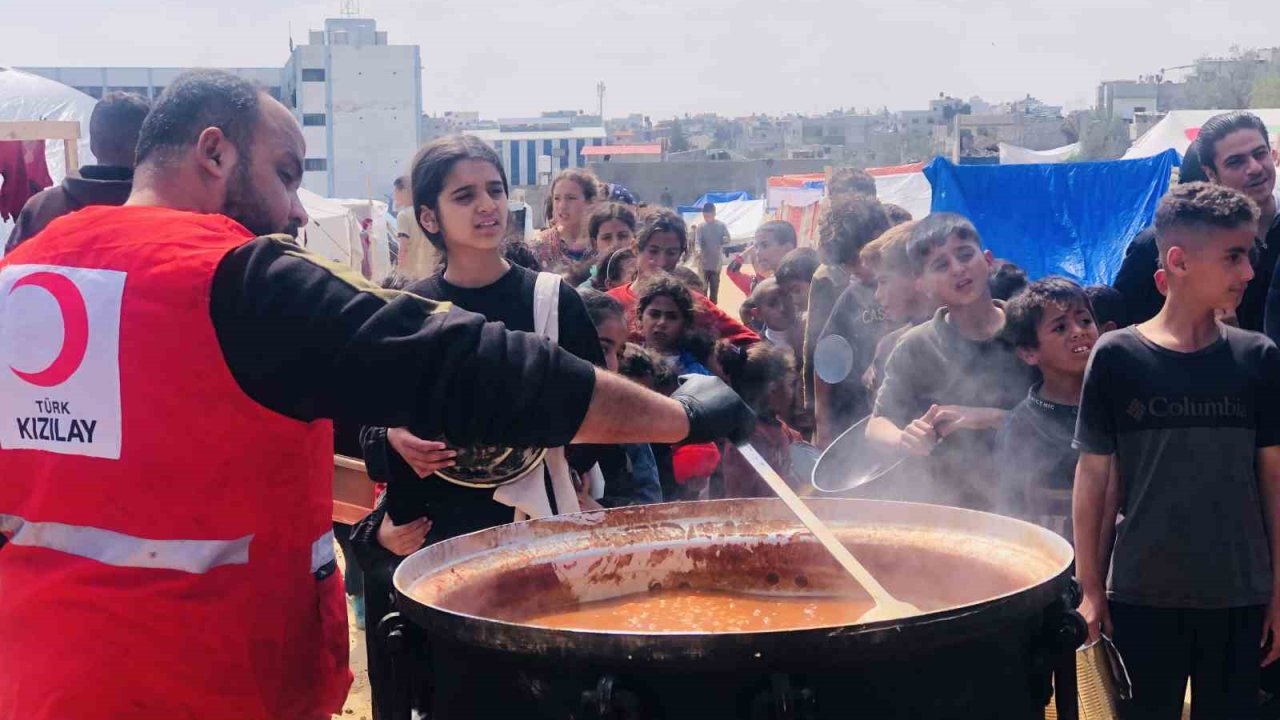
(703, 611)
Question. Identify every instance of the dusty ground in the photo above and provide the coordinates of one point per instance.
(359, 704)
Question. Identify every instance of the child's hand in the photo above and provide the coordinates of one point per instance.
(424, 456)
(950, 418)
(919, 436)
(403, 539)
(1097, 614)
(1271, 632)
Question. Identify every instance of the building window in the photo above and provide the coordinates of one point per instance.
(274, 91)
(315, 165)
(313, 75)
(155, 91)
(313, 120)
(93, 92)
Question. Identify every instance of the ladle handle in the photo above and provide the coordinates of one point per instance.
(816, 526)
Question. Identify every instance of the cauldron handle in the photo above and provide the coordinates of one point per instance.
(396, 636)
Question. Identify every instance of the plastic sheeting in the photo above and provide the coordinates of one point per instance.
(715, 198)
(1015, 155)
(1074, 219)
(910, 191)
(902, 185)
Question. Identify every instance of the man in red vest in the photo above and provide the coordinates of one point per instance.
(168, 370)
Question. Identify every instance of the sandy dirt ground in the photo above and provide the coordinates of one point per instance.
(359, 704)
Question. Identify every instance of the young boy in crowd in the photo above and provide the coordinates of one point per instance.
(1109, 309)
(772, 242)
(773, 311)
(1181, 413)
(897, 292)
(951, 381)
(795, 275)
(1052, 326)
(841, 302)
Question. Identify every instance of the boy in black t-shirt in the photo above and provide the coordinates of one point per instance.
(1180, 415)
(1051, 324)
(950, 382)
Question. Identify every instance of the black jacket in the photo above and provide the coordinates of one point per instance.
(1136, 283)
(97, 185)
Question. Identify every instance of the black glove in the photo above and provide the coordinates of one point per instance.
(715, 411)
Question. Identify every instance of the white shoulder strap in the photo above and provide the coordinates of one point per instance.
(546, 306)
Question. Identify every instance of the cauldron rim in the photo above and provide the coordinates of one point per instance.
(946, 626)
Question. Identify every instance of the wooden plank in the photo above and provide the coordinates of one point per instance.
(348, 514)
(349, 463)
(71, 157)
(40, 130)
(352, 490)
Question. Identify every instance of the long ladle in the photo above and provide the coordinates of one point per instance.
(887, 606)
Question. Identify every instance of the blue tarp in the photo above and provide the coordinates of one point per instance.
(1072, 219)
(715, 198)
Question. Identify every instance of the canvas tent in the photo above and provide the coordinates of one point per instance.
(335, 231)
(1015, 155)
(24, 96)
(795, 198)
(1180, 127)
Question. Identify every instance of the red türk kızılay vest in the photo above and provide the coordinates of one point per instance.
(165, 542)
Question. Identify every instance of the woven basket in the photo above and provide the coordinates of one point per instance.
(1101, 682)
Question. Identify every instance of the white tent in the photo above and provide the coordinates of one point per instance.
(908, 190)
(1015, 155)
(333, 231)
(372, 214)
(24, 96)
(1180, 127)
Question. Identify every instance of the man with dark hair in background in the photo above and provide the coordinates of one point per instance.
(170, 546)
(1232, 149)
(113, 137)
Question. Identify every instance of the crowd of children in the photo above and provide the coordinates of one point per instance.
(1153, 447)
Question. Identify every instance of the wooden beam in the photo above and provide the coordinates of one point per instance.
(71, 157)
(40, 130)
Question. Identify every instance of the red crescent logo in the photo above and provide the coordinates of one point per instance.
(75, 328)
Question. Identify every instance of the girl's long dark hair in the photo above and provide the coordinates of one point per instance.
(434, 162)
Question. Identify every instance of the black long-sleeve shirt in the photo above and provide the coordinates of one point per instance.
(310, 339)
(1135, 280)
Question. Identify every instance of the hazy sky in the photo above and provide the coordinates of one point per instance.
(663, 57)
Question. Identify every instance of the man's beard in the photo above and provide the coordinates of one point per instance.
(243, 204)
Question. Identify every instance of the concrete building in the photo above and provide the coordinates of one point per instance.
(837, 130)
(147, 82)
(1126, 98)
(359, 101)
(535, 149)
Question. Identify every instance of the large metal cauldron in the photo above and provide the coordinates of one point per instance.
(996, 595)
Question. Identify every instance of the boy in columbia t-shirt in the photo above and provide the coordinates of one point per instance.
(1180, 416)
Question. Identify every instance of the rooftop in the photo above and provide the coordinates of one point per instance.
(599, 150)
